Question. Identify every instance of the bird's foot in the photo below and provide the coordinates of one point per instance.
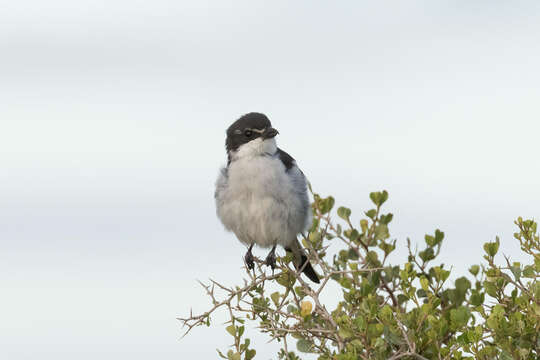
(271, 258)
(249, 260)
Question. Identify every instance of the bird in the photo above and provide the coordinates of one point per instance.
(261, 194)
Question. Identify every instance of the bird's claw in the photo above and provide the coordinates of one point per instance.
(248, 259)
(271, 260)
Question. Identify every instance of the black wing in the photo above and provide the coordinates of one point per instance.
(286, 159)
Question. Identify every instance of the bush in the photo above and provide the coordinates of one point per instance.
(406, 311)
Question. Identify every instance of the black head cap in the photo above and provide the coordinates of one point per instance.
(250, 126)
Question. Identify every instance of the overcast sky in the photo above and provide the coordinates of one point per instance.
(112, 129)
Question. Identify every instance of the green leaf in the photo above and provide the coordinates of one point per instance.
(250, 354)
(491, 248)
(345, 334)
(371, 214)
(427, 254)
(462, 285)
(299, 291)
(402, 299)
(315, 225)
(374, 196)
(231, 355)
(292, 309)
(315, 238)
(439, 236)
(386, 312)
(344, 213)
(286, 279)
(477, 298)
(436, 239)
(260, 304)
(373, 259)
(474, 269)
(459, 317)
(425, 283)
(352, 254)
(391, 337)
(430, 240)
(379, 198)
(516, 270)
(352, 234)
(384, 197)
(231, 329)
(529, 271)
(304, 346)
(387, 248)
(375, 330)
(325, 205)
(381, 232)
(275, 298)
(364, 226)
(385, 219)
(345, 282)
(491, 290)
(440, 273)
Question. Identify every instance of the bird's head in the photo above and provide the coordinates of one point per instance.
(251, 135)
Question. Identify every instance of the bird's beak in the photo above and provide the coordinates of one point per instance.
(269, 133)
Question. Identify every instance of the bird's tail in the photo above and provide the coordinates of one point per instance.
(301, 261)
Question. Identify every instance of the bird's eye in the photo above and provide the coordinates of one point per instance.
(248, 133)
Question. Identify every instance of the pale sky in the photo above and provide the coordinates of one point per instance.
(112, 130)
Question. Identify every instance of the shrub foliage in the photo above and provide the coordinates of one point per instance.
(385, 311)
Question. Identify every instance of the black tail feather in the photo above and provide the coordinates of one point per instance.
(306, 267)
(308, 270)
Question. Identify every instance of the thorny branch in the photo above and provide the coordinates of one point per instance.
(381, 312)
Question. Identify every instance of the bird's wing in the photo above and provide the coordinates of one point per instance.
(287, 160)
(299, 182)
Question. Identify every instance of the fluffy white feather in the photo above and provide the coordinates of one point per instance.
(259, 200)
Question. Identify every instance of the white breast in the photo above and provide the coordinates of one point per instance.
(261, 202)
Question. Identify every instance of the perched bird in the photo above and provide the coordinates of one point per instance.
(261, 195)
